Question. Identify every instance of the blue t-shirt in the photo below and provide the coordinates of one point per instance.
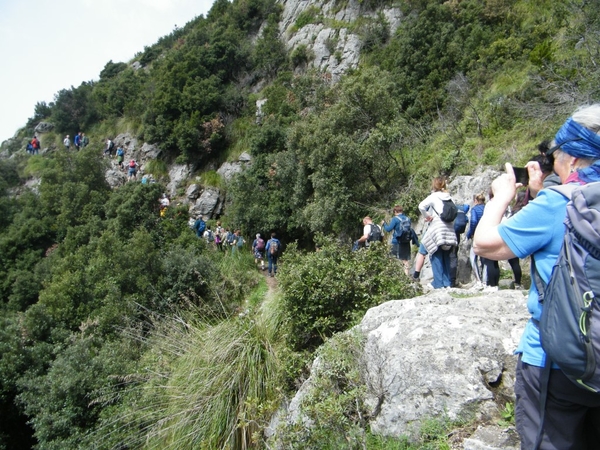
(538, 229)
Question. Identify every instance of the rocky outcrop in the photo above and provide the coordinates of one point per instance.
(44, 127)
(333, 49)
(208, 205)
(445, 354)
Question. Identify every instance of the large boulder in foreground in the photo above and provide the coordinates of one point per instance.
(446, 354)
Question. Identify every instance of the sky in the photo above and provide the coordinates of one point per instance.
(48, 46)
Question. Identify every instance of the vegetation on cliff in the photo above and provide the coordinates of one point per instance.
(117, 325)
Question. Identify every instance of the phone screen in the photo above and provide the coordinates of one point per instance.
(521, 175)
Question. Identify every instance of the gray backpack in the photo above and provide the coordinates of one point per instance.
(570, 322)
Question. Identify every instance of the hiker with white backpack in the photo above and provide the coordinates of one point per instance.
(558, 406)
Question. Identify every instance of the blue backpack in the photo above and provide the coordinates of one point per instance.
(404, 229)
(200, 226)
(461, 221)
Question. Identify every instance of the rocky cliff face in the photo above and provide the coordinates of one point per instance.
(332, 39)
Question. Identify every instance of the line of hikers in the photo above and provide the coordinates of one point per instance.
(556, 222)
(223, 238)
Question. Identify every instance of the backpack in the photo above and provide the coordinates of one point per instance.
(210, 237)
(375, 234)
(405, 230)
(260, 244)
(274, 247)
(217, 238)
(460, 223)
(29, 147)
(132, 163)
(570, 322)
(230, 237)
(200, 226)
(449, 211)
(111, 145)
(240, 241)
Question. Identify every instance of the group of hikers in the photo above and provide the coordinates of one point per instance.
(223, 238)
(549, 211)
(79, 141)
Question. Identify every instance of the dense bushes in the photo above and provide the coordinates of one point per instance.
(327, 291)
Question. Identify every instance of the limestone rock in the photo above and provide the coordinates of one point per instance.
(208, 204)
(245, 157)
(44, 127)
(178, 174)
(193, 191)
(438, 355)
(129, 143)
(150, 151)
(228, 170)
(493, 438)
(115, 177)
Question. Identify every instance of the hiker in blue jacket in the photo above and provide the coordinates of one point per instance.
(572, 414)
(402, 237)
(476, 214)
(272, 249)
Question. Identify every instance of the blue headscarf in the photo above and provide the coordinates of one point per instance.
(580, 142)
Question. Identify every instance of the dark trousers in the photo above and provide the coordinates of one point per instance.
(572, 414)
(515, 265)
(493, 271)
(273, 264)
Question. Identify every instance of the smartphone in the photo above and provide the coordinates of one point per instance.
(521, 175)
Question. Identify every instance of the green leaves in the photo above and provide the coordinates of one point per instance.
(328, 290)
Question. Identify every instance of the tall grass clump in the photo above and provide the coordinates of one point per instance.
(206, 386)
(157, 168)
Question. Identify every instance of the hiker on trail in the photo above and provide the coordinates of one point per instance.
(120, 156)
(84, 140)
(164, 204)
(476, 214)
(209, 236)
(460, 225)
(77, 141)
(440, 237)
(35, 145)
(29, 148)
(109, 147)
(371, 233)
(67, 142)
(238, 242)
(199, 226)
(229, 236)
(258, 249)
(402, 237)
(571, 413)
(132, 169)
(273, 248)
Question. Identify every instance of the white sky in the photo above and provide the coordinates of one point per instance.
(46, 46)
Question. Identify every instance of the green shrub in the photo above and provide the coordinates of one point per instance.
(329, 290)
(300, 55)
(308, 16)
